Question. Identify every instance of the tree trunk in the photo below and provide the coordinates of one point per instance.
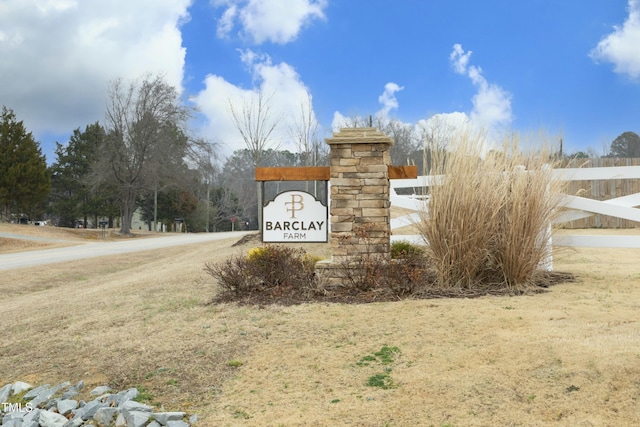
(125, 227)
(128, 207)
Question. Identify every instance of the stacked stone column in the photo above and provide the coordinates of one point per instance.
(360, 206)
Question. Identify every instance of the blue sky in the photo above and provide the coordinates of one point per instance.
(569, 67)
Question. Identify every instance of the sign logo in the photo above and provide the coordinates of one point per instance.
(296, 203)
(294, 216)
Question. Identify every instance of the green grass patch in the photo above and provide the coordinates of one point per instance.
(385, 357)
(144, 396)
(382, 380)
(386, 354)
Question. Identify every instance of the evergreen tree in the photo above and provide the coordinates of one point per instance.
(73, 196)
(24, 179)
(626, 144)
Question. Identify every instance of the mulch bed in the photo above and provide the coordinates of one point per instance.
(294, 295)
(291, 295)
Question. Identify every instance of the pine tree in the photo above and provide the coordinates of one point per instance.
(24, 179)
(73, 195)
(626, 144)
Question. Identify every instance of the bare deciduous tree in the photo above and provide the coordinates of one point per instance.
(256, 123)
(304, 133)
(203, 154)
(144, 123)
(354, 121)
(435, 132)
(405, 140)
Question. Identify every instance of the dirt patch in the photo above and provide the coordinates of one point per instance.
(20, 245)
(568, 356)
(49, 231)
(253, 239)
(22, 237)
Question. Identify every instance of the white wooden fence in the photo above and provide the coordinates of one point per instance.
(575, 207)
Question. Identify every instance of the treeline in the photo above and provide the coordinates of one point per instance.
(144, 159)
(141, 159)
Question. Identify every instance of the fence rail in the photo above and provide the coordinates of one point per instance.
(611, 180)
(614, 190)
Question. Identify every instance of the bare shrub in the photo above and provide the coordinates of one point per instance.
(407, 272)
(231, 274)
(270, 269)
(405, 276)
(362, 272)
(403, 249)
(488, 213)
(276, 265)
(400, 276)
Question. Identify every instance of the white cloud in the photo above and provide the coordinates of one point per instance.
(491, 111)
(459, 59)
(491, 106)
(449, 130)
(388, 98)
(47, 6)
(441, 126)
(491, 103)
(622, 46)
(226, 22)
(277, 21)
(251, 58)
(278, 82)
(388, 101)
(340, 121)
(59, 55)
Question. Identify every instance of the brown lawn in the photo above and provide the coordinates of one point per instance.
(568, 357)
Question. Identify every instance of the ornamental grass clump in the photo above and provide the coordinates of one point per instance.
(487, 219)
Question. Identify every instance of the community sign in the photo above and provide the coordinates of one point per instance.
(294, 216)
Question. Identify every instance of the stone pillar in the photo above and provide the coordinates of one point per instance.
(360, 206)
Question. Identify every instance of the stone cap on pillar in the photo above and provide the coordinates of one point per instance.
(359, 136)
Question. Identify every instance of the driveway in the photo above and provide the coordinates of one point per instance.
(101, 249)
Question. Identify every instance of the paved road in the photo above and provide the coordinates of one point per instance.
(100, 249)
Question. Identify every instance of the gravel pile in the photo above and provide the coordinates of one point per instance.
(56, 406)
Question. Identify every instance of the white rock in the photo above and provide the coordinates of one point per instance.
(5, 392)
(19, 387)
(51, 419)
(120, 421)
(100, 390)
(66, 406)
(164, 417)
(136, 418)
(132, 405)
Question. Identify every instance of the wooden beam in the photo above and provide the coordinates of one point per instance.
(322, 173)
(308, 173)
(403, 172)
